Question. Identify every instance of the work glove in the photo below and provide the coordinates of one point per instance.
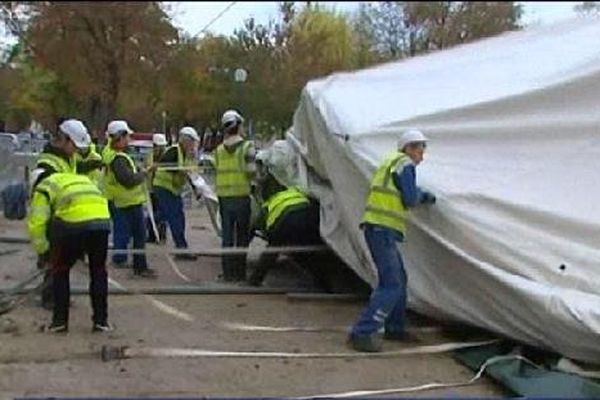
(427, 198)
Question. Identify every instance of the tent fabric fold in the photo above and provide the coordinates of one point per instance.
(513, 243)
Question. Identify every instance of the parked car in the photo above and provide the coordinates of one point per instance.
(138, 149)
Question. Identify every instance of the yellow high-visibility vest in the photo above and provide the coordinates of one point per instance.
(232, 179)
(120, 195)
(173, 181)
(282, 202)
(384, 204)
(71, 198)
(57, 163)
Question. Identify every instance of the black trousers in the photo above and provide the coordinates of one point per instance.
(64, 252)
(235, 226)
(298, 227)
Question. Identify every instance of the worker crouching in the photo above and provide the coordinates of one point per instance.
(288, 217)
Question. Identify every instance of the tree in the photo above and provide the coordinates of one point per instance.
(404, 29)
(103, 49)
(42, 96)
(587, 8)
(381, 28)
(281, 56)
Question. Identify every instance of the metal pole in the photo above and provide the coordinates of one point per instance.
(218, 252)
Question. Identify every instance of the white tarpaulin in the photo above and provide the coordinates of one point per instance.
(513, 243)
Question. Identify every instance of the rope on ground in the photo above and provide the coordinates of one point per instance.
(176, 269)
(223, 251)
(167, 309)
(420, 388)
(113, 353)
(234, 326)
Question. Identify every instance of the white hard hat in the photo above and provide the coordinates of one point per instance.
(231, 117)
(118, 127)
(189, 132)
(158, 139)
(77, 132)
(411, 136)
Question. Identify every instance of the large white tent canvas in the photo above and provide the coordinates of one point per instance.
(513, 243)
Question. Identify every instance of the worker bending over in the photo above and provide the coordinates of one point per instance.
(60, 156)
(69, 218)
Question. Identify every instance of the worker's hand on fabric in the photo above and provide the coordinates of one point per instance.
(428, 198)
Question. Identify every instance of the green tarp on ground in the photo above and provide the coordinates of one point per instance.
(525, 379)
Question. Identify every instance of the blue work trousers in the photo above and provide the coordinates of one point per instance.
(387, 305)
(171, 210)
(128, 222)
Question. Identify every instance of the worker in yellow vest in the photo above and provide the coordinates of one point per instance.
(288, 217)
(69, 219)
(168, 184)
(159, 144)
(234, 162)
(60, 155)
(125, 184)
(393, 192)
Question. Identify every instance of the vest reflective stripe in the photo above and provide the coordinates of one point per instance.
(119, 194)
(69, 197)
(280, 202)
(57, 163)
(384, 204)
(173, 181)
(232, 178)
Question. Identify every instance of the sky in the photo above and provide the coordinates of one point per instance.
(193, 17)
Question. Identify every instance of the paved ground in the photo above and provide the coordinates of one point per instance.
(33, 363)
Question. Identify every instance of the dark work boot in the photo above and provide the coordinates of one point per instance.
(257, 276)
(56, 327)
(228, 274)
(162, 232)
(365, 344)
(240, 273)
